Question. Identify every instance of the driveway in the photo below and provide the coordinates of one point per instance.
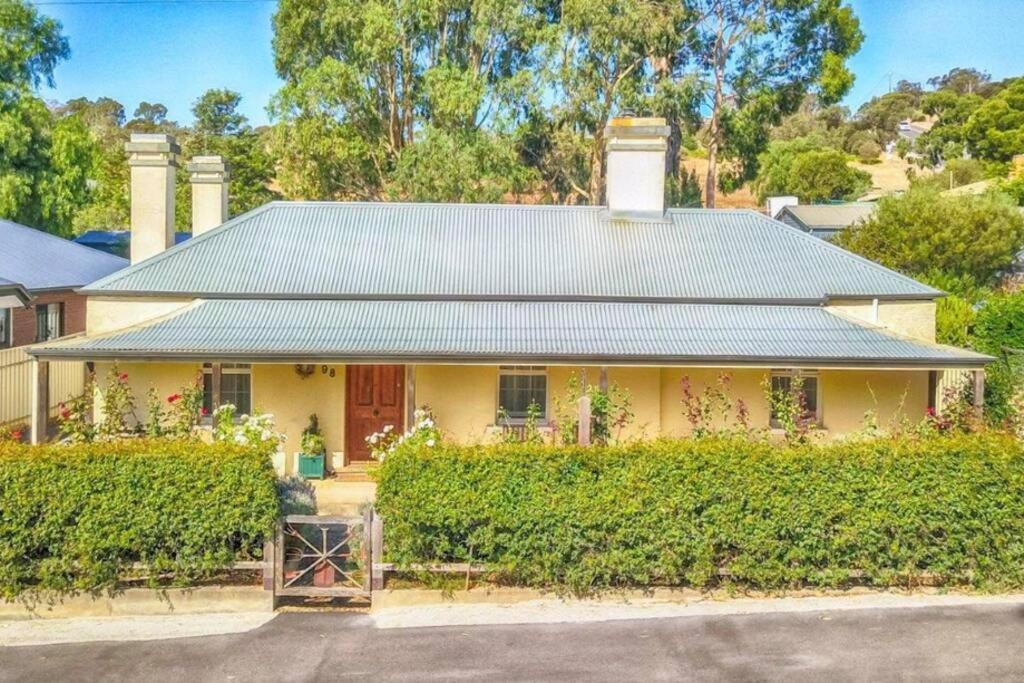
(946, 643)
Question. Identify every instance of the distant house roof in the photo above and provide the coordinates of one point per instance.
(39, 261)
(538, 331)
(824, 220)
(109, 240)
(336, 250)
(13, 295)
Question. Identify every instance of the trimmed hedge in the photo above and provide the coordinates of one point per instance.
(75, 518)
(884, 512)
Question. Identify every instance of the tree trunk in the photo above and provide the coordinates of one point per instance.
(715, 127)
(596, 188)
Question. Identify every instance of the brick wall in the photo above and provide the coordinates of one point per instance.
(23, 320)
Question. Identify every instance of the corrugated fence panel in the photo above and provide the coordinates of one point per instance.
(67, 379)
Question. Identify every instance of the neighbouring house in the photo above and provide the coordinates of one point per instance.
(116, 242)
(39, 274)
(361, 312)
(43, 271)
(825, 220)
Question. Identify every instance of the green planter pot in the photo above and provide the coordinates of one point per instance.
(311, 466)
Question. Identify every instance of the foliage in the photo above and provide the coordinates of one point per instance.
(788, 407)
(13, 432)
(530, 432)
(709, 412)
(312, 441)
(955, 172)
(923, 232)
(251, 431)
(802, 167)
(995, 130)
(885, 512)
(762, 58)
(610, 411)
(881, 115)
(953, 318)
(423, 433)
(77, 517)
(999, 331)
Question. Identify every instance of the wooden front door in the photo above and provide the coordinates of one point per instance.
(374, 397)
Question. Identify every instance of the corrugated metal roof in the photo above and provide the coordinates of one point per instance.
(38, 260)
(830, 216)
(391, 250)
(496, 330)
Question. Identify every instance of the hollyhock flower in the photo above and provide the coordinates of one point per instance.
(173, 398)
(123, 376)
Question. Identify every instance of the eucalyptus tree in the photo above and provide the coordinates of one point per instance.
(757, 60)
(367, 81)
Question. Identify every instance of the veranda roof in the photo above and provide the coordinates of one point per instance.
(293, 330)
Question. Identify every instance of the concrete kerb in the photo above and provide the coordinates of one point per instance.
(145, 602)
(411, 608)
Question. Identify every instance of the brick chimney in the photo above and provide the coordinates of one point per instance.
(153, 158)
(636, 150)
(209, 177)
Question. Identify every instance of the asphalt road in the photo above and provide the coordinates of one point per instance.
(949, 643)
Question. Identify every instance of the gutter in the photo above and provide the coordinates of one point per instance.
(977, 361)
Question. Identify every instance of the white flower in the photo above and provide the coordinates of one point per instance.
(373, 439)
(430, 443)
(388, 428)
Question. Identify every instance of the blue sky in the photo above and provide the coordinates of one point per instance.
(171, 53)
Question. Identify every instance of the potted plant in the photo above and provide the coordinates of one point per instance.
(311, 459)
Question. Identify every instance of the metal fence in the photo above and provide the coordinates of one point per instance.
(67, 379)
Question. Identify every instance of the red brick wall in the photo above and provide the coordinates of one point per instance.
(23, 320)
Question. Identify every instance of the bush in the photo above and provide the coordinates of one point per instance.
(75, 518)
(885, 512)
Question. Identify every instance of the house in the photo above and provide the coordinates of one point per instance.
(825, 220)
(39, 273)
(362, 312)
(116, 242)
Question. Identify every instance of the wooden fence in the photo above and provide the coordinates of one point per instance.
(67, 379)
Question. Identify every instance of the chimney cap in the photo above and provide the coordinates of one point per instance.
(209, 165)
(149, 143)
(637, 127)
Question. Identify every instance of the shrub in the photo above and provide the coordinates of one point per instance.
(75, 518)
(885, 511)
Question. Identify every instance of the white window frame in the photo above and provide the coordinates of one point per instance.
(54, 312)
(216, 398)
(6, 328)
(806, 374)
(520, 370)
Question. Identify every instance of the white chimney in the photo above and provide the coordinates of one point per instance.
(636, 167)
(153, 158)
(209, 177)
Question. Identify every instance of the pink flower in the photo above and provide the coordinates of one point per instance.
(16, 435)
(123, 376)
(173, 398)
(204, 412)
(65, 413)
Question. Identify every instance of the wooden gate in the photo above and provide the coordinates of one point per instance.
(322, 556)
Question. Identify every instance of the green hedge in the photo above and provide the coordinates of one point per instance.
(884, 512)
(75, 518)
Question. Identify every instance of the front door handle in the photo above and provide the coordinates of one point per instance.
(376, 413)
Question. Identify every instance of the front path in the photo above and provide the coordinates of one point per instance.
(978, 642)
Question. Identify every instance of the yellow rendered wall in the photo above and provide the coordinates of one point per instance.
(109, 314)
(915, 319)
(847, 395)
(743, 384)
(280, 391)
(462, 398)
(166, 378)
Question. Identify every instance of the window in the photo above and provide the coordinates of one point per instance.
(5, 328)
(782, 383)
(227, 383)
(49, 321)
(519, 386)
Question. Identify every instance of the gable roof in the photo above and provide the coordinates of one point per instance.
(38, 261)
(828, 217)
(278, 330)
(470, 251)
